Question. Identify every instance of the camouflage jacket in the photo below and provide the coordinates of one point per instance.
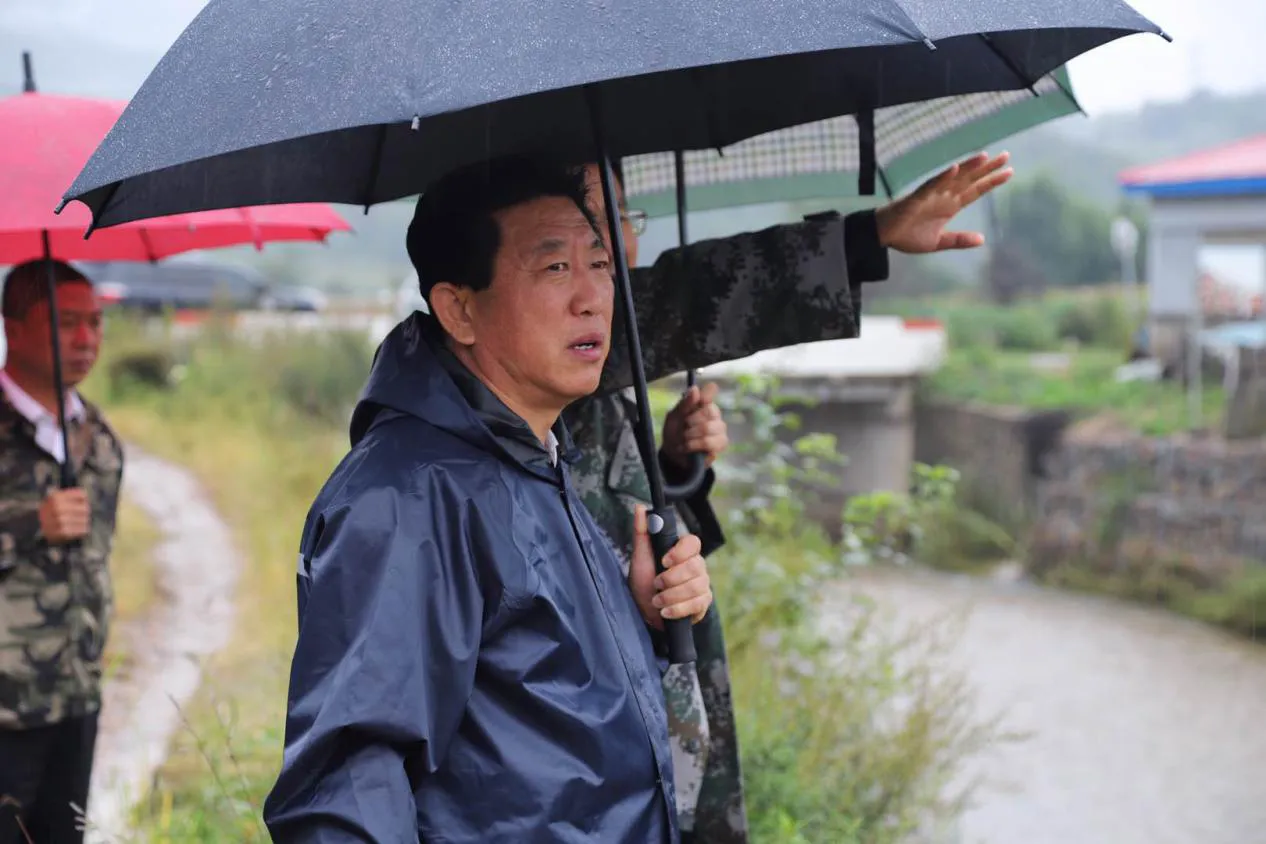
(719, 300)
(713, 301)
(55, 601)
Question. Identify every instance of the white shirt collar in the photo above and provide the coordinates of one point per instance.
(551, 445)
(48, 435)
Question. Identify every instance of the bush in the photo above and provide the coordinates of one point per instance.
(1024, 330)
(926, 524)
(1019, 328)
(142, 368)
(1095, 321)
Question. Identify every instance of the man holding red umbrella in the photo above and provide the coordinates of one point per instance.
(55, 595)
(58, 504)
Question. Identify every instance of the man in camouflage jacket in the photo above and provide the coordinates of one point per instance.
(55, 594)
(714, 301)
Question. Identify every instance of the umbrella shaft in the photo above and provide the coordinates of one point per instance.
(68, 479)
(679, 166)
(645, 423)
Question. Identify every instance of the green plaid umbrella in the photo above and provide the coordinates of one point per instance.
(827, 159)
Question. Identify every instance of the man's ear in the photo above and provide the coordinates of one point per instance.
(452, 305)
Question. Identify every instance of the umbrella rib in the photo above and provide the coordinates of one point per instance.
(1010, 65)
(109, 197)
(149, 246)
(374, 165)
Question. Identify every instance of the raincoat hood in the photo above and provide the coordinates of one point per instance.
(450, 397)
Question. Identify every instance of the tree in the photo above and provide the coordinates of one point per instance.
(1066, 239)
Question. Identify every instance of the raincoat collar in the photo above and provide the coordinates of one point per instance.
(415, 374)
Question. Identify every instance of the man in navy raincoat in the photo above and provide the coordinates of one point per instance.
(471, 664)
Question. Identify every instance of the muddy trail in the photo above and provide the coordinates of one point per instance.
(197, 570)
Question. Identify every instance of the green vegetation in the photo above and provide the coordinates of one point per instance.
(1057, 352)
(1239, 604)
(852, 737)
(134, 576)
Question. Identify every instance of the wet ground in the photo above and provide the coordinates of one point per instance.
(197, 568)
(1144, 728)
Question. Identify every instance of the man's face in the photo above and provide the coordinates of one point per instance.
(597, 207)
(30, 349)
(545, 320)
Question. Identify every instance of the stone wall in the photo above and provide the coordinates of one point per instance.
(1095, 494)
(1119, 501)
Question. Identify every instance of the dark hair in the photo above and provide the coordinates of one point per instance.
(454, 235)
(27, 284)
(617, 167)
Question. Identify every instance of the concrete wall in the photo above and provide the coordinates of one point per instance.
(999, 451)
(872, 420)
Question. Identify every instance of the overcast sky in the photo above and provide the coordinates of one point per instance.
(106, 48)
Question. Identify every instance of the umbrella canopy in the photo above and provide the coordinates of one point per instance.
(323, 100)
(827, 159)
(47, 138)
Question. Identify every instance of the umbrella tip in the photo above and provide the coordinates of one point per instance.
(1163, 34)
(28, 75)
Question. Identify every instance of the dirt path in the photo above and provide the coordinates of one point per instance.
(197, 571)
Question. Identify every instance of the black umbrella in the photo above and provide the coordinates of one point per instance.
(326, 100)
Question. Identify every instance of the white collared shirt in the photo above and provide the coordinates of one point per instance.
(48, 434)
(551, 445)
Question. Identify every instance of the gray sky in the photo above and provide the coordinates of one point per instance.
(106, 47)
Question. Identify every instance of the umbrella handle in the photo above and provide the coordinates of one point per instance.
(697, 472)
(662, 526)
(694, 481)
(660, 520)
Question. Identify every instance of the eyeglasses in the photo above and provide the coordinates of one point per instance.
(637, 219)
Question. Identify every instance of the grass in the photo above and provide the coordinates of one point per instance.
(1238, 604)
(262, 460)
(1088, 385)
(134, 576)
(132, 565)
(992, 348)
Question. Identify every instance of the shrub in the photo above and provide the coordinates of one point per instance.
(1095, 321)
(144, 368)
(927, 524)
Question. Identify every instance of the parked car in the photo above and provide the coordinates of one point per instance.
(153, 288)
(289, 297)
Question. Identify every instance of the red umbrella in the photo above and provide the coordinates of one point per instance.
(47, 140)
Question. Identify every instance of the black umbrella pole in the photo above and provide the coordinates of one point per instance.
(68, 479)
(661, 521)
(698, 467)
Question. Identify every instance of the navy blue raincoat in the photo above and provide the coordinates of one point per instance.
(471, 666)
